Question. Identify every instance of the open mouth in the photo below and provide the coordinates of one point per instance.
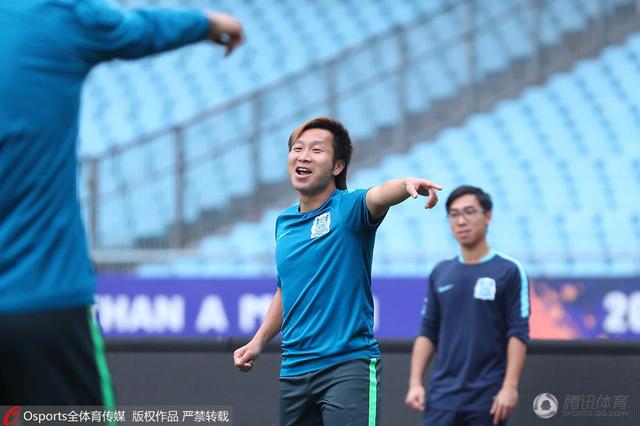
(303, 171)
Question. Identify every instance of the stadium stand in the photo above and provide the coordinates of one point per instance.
(563, 190)
(125, 99)
(577, 131)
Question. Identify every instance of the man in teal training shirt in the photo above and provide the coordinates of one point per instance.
(330, 372)
(51, 351)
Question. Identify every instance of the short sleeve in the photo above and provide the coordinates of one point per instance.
(518, 309)
(105, 32)
(430, 324)
(356, 213)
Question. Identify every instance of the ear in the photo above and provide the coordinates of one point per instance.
(338, 167)
(487, 217)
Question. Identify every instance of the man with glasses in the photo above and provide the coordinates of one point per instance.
(476, 318)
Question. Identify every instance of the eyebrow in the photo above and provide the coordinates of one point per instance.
(314, 142)
(465, 208)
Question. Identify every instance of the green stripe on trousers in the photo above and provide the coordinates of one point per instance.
(108, 397)
(373, 392)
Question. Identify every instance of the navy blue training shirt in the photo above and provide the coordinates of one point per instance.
(470, 312)
(324, 260)
(47, 48)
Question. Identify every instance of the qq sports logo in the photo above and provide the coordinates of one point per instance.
(545, 405)
(12, 416)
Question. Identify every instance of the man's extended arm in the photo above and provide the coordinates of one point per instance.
(395, 191)
(104, 32)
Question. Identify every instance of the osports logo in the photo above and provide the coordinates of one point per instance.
(12, 416)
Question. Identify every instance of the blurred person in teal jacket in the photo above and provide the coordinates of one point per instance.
(52, 352)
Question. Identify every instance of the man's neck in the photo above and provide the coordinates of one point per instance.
(475, 253)
(309, 202)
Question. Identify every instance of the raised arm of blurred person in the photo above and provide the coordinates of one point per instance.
(394, 191)
(103, 32)
(244, 356)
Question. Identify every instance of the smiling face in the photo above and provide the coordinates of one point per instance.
(310, 164)
(468, 221)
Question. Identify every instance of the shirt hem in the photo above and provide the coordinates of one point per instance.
(317, 365)
(48, 304)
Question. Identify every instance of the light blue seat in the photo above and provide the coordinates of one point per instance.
(568, 13)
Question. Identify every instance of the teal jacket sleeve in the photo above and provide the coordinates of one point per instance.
(104, 32)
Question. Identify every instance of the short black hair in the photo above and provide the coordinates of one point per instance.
(342, 146)
(483, 198)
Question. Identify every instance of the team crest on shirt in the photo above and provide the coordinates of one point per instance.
(485, 289)
(321, 225)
